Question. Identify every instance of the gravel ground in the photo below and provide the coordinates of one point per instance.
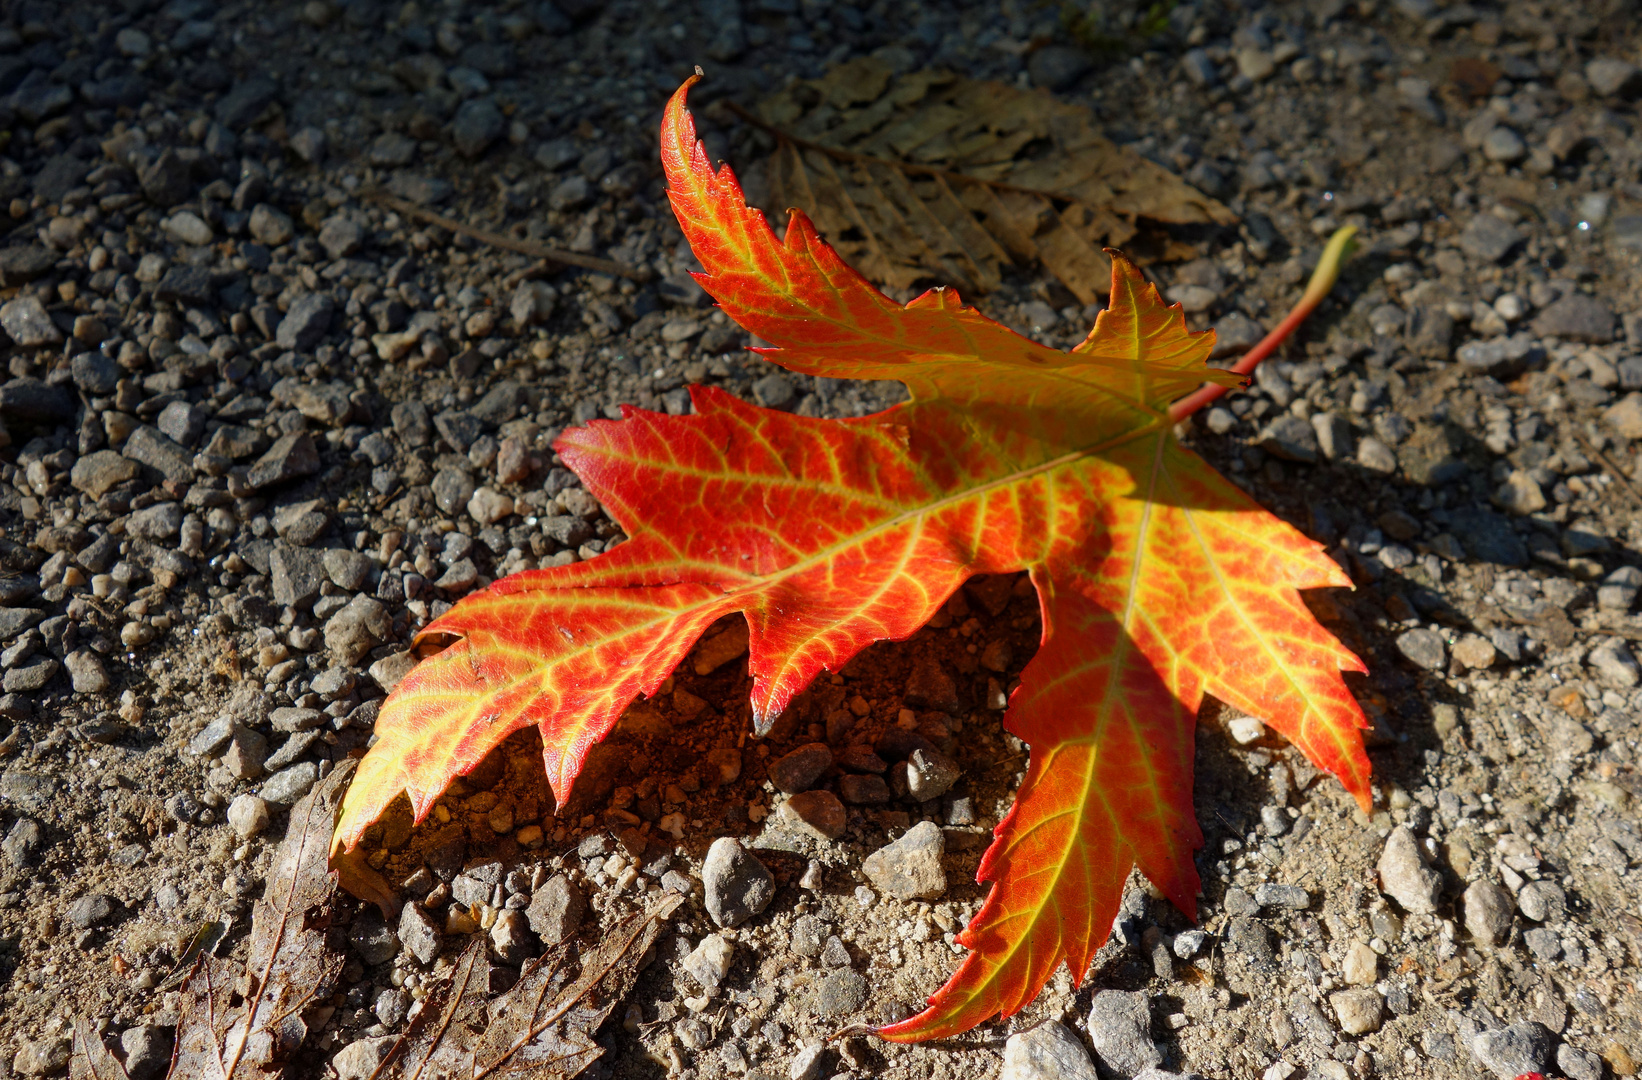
(261, 428)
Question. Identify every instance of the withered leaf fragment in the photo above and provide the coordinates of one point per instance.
(90, 1059)
(544, 1025)
(930, 177)
(238, 1024)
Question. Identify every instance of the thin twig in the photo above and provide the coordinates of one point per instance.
(1610, 467)
(508, 243)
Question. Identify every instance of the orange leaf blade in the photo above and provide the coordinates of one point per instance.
(1108, 788)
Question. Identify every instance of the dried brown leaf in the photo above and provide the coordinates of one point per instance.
(241, 1024)
(90, 1059)
(929, 176)
(544, 1025)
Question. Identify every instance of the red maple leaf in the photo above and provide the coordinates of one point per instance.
(1159, 581)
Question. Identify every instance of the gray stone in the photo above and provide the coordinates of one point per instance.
(459, 428)
(387, 671)
(1511, 1051)
(188, 228)
(809, 934)
(799, 769)
(710, 961)
(478, 123)
(98, 473)
(1614, 664)
(1404, 875)
(737, 885)
(147, 446)
(1576, 316)
(865, 790)
(234, 441)
(249, 815)
(27, 323)
(1430, 332)
(1578, 1064)
(92, 909)
(349, 570)
(289, 785)
(1519, 493)
(556, 909)
(181, 422)
(42, 1057)
(341, 236)
(1120, 1028)
(1425, 648)
(1056, 67)
(147, 1050)
(293, 719)
(1289, 438)
(86, 672)
(532, 303)
(930, 687)
(1625, 416)
(419, 933)
(1360, 1011)
(1284, 897)
(271, 226)
(930, 774)
(187, 284)
(1488, 239)
(1546, 945)
(459, 578)
(1608, 76)
(570, 194)
(816, 812)
(1049, 1051)
(806, 1064)
(1488, 911)
(305, 324)
(95, 373)
(293, 750)
(510, 937)
(910, 868)
(29, 678)
(22, 264)
(361, 1060)
(1543, 901)
(245, 102)
(452, 489)
(166, 181)
(357, 629)
(392, 1007)
(30, 400)
(1488, 537)
(24, 843)
(1376, 456)
(775, 391)
(293, 455)
(325, 403)
(1334, 437)
(1503, 144)
(297, 575)
(393, 149)
(372, 939)
(155, 523)
(498, 405)
(310, 144)
(839, 994)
